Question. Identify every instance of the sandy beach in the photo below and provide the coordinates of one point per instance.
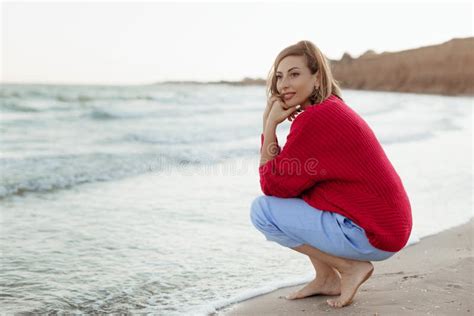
(432, 277)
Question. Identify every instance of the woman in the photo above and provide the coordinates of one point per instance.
(331, 192)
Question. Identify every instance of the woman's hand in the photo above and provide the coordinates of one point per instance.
(270, 102)
(279, 112)
(268, 108)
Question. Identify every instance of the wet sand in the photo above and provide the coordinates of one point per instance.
(432, 277)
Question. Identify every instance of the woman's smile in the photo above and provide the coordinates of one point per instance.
(288, 96)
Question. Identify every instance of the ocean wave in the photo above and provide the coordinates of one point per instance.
(102, 115)
(87, 98)
(75, 98)
(51, 173)
(98, 114)
(385, 109)
(156, 139)
(15, 107)
(413, 137)
(85, 94)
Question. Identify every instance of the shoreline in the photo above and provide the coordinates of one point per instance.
(432, 276)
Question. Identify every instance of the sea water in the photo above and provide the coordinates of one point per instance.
(136, 199)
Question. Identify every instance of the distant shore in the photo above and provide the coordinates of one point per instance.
(438, 69)
(432, 277)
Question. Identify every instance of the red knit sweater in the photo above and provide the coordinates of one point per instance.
(334, 162)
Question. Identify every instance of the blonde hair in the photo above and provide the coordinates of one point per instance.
(316, 62)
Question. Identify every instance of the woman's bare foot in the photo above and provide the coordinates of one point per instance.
(321, 285)
(351, 279)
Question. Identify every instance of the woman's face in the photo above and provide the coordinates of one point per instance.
(294, 77)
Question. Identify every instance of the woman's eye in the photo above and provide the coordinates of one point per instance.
(295, 74)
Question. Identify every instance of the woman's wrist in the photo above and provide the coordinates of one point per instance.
(269, 124)
(265, 119)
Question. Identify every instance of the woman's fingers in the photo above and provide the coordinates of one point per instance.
(294, 114)
(272, 100)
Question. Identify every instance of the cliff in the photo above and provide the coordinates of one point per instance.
(447, 68)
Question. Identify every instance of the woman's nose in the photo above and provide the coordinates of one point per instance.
(283, 84)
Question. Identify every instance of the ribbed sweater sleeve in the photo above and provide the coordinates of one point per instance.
(294, 169)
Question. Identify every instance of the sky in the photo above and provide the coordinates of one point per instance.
(146, 42)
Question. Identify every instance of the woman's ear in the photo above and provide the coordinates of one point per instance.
(316, 84)
(316, 80)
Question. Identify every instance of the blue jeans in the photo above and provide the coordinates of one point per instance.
(292, 222)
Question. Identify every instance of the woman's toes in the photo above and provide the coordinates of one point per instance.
(337, 303)
(317, 287)
(292, 296)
